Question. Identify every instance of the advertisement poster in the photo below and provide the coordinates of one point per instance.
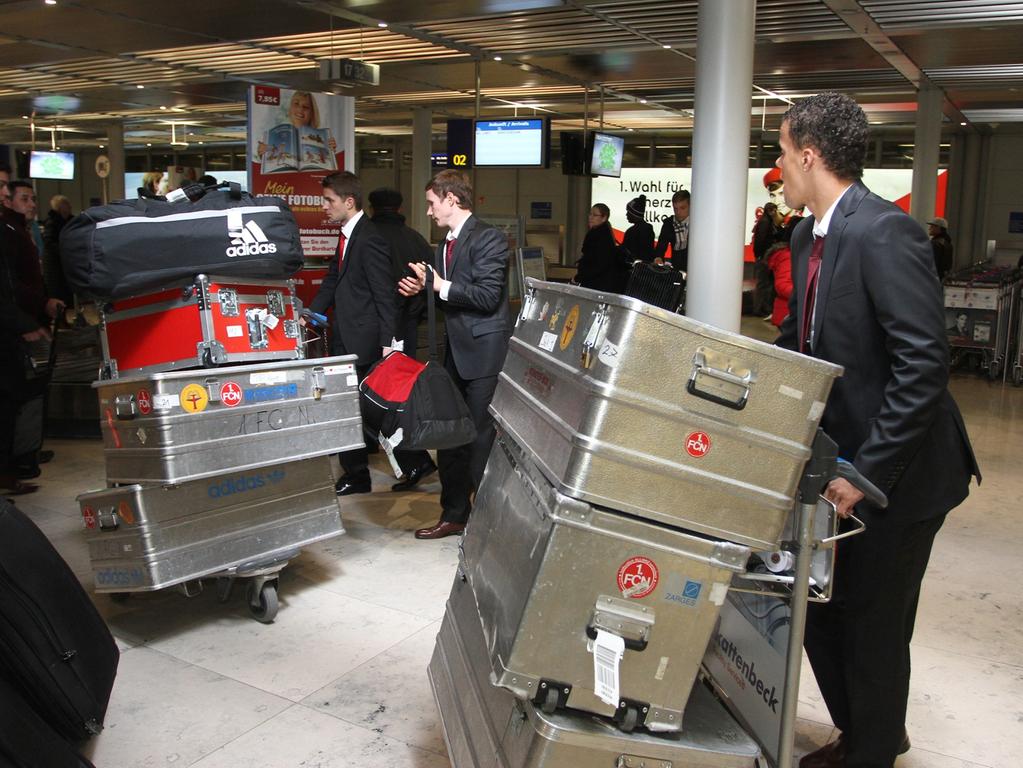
(763, 185)
(295, 139)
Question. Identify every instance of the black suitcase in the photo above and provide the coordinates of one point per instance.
(26, 741)
(54, 646)
(657, 284)
(131, 246)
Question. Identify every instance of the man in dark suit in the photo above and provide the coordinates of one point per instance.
(866, 296)
(360, 287)
(405, 245)
(471, 278)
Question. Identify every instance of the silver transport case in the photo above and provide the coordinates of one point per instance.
(246, 523)
(548, 571)
(634, 408)
(488, 727)
(188, 425)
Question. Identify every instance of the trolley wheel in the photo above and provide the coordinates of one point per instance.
(550, 701)
(264, 606)
(994, 369)
(120, 597)
(629, 721)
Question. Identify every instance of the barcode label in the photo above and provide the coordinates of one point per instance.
(608, 650)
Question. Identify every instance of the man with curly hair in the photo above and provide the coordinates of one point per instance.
(866, 296)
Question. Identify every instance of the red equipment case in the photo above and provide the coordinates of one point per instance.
(214, 321)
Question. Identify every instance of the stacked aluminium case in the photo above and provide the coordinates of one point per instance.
(641, 458)
(215, 471)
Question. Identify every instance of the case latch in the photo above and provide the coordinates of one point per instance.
(125, 406)
(228, 299)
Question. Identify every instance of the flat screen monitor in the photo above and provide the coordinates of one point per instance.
(51, 165)
(511, 143)
(606, 155)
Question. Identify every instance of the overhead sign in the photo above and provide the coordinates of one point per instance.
(460, 143)
(102, 166)
(350, 71)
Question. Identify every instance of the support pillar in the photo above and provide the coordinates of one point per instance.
(422, 148)
(926, 140)
(115, 151)
(724, 81)
(969, 198)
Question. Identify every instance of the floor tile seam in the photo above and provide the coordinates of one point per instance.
(325, 588)
(378, 733)
(260, 724)
(974, 657)
(969, 761)
(359, 666)
(279, 697)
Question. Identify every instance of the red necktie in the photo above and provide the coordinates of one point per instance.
(447, 256)
(340, 250)
(810, 297)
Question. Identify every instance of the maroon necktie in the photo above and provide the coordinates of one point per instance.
(447, 256)
(340, 250)
(812, 268)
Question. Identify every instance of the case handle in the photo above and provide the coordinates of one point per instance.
(738, 385)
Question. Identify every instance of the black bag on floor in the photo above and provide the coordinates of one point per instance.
(55, 649)
(130, 246)
(26, 741)
(657, 284)
(415, 406)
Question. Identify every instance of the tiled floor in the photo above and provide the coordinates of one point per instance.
(339, 679)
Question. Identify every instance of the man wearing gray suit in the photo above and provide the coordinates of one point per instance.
(866, 296)
(471, 278)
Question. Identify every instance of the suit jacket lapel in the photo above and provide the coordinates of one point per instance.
(833, 252)
(350, 250)
(802, 243)
(463, 241)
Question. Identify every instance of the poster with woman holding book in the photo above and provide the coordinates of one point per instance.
(295, 139)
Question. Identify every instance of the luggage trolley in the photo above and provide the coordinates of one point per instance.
(980, 306)
(1016, 358)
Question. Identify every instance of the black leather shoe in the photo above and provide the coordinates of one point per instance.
(412, 478)
(440, 530)
(346, 487)
(45, 456)
(28, 471)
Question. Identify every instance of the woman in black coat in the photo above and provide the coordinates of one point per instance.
(600, 267)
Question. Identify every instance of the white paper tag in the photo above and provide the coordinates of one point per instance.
(389, 444)
(270, 321)
(815, 411)
(352, 380)
(164, 402)
(336, 370)
(718, 591)
(398, 346)
(608, 650)
(235, 331)
(548, 340)
(608, 354)
(268, 377)
(788, 391)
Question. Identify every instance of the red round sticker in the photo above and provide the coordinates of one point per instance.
(144, 401)
(90, 517)
(697, 444)
(230, 394)
(637, 577)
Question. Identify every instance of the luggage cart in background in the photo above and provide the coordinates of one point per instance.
(1016, 358)
(981, 303)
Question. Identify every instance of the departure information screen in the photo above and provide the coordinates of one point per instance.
(510, 143)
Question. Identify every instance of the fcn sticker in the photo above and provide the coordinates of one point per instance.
(638, 577)
(697, 444)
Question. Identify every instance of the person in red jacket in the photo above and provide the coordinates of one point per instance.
(779, 261)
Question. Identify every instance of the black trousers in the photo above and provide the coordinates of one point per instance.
(461, 469)
(858, 644)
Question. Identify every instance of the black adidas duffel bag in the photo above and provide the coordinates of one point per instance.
(131, 246)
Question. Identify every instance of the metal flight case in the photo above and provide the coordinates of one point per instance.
(551, 574)
(633, 408)
(488, 727)
(213, 321)
(239, 524)
(188, 425)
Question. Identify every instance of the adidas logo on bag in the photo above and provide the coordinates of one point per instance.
(248, 240)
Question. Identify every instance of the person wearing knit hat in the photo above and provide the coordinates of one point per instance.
(638, 243)
(941, 244)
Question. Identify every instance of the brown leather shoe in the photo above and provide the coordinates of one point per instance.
(440, 530)
(831, 755)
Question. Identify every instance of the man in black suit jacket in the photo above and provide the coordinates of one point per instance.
(874, 307)
(360, 287)
(471, 278)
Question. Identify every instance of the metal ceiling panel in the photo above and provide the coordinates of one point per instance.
(921, 14)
